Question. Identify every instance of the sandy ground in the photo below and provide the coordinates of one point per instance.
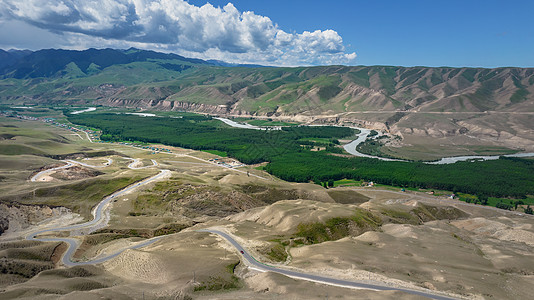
(58, 217)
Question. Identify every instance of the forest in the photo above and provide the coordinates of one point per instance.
(289, 160)
(204, 133)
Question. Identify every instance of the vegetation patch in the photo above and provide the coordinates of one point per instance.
(217, 152)
(170, 229)
(79, 197)
(203, 133)
(227, 281)
(20, 261)
(339, 227)
(86, 285)
(288, 160)
(427, 213)
(77, 271)
(173, 196)
(422, 213)
(19, 150)
(277, 253)
(270, 195)
(347, 196)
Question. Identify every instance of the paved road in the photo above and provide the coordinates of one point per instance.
(69, 163)
(315, 278)
(136, 160)
(107, 164)
(98, 218)
(36, 176)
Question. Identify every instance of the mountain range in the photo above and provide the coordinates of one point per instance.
(492, 104)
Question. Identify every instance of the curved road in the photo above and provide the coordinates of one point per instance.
(36, 176)
(99, 216)
(107, 164)
(137, 160)
(69, 163)
(315, 278)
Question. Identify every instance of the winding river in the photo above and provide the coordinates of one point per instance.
(352, 146)
(240, 125)
(82, 111)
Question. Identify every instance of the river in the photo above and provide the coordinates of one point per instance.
(82, 111)
(351, 147)
(245, 125)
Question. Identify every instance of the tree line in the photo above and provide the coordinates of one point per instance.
(506, 177)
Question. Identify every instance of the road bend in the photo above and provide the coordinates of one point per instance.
(99, 216)
(256, 265)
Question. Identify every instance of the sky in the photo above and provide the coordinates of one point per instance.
(454, 33)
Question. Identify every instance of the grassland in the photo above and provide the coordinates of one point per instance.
(338, 227)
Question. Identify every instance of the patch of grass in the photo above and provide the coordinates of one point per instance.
(427, 213)
(86, 285)
(423, 213)
(339, 227)
(216, 152)
(79, 197)
(19, 150)
(469, 74)
(222, 282)
(277, 253)
(25, 259)
(328, 92)
(495, 201)
(519, 96)
(387, 79)
(77, 271)
(400, 216)
(102, 238)
(169, 229)
(347, 182)
(360, 77)
(271, 195)
(347, 196)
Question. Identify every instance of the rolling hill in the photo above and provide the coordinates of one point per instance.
(457, 105)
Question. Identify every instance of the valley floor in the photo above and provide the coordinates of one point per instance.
(408, 240)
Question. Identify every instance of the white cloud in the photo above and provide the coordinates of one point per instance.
(176, 26)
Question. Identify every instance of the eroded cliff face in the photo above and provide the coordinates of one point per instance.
(486, 127)
(165, 105)
(17, 217)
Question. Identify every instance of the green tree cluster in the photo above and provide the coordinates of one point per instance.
(288, 160)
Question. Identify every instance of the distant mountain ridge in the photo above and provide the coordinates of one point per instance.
(47, 62)
(427, 101)
(10, 57)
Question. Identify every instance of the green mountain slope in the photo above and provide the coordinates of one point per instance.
(435, 102)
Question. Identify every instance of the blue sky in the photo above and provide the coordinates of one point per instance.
(291, 32)
(412, 33)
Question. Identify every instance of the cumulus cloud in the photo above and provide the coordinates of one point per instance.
(177, 26)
